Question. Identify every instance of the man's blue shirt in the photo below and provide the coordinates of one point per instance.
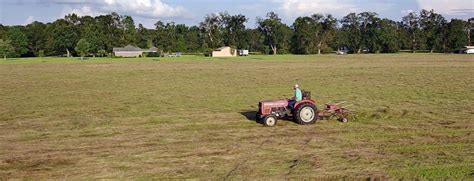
(298, 94)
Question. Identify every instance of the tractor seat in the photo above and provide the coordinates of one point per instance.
(306, 95)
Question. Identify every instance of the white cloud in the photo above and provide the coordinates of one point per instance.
(142, 8)
(448, 7)
(406, 11)
(146, 8)
(29, 20)
(294, 8)
(83, 11)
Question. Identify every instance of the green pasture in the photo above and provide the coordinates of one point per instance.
(191, 117)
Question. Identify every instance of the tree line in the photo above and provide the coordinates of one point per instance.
(362, 32)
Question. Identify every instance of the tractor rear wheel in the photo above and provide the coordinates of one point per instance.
(306, 114)
(269, 121)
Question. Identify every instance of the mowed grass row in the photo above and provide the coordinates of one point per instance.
(186, 117)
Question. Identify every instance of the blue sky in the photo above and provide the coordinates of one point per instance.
(147, 12)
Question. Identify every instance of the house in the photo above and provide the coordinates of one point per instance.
(128, 51)
(469, 49)
(131, 51)
(224, 52)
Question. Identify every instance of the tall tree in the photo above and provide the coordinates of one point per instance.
(111, 26)
(72, 19)
(351, 26)
(6, 48)
(129, 30)
(328, 30)
(306, 33)
(193, 39)
(312, 34)
(143, 37)
(93, 33)
(170, 37)
(368, 23)
(159, 35)
(37, 37)
(180, 37)
(456, 36)
(340, 40)
(233, 29)
(470, 31)
(275, 32)
(211, 27)
(19, 40)
(65, 37)
(433, 25)
(3, 31)
(386, 36)
(170, 41)
(411, 23)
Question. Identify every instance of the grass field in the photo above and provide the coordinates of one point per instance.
(187, 118)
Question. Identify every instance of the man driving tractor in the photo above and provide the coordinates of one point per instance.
(297, 97)
(301, 108)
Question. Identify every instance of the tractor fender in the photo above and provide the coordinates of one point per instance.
(304, 101)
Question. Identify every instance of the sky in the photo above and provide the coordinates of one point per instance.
(191, 12)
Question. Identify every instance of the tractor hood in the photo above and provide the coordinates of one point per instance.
(275, 103)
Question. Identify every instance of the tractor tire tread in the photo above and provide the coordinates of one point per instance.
(296, 113)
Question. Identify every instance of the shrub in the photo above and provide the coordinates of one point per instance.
(208, 52)
(41, 53)
(102, 53)
(151, 54)
(266, 50)
(327, 49)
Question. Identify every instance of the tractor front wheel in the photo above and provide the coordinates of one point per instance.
(306, 114)
(269, 121)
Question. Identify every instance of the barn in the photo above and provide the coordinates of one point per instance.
(132, 51)
(128, 51)
(224, 52)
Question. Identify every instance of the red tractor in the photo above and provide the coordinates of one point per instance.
(303, 112)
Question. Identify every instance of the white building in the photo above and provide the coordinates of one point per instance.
(224, 52)
(131, 51)
(469, 49)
